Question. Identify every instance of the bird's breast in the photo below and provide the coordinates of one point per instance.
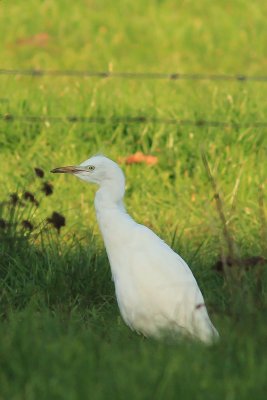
(116, 227)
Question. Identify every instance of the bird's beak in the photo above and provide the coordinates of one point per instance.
(71, 169)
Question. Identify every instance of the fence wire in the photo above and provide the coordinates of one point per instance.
(133, 75)
(129, 120)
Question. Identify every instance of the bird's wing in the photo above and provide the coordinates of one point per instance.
(165, 283)
(164, 269)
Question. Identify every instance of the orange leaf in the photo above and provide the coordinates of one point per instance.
(151, 160)
(39, 40)
(140, 157)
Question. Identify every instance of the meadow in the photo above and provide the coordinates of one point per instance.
(61, 336)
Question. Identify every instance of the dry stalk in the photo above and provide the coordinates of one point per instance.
(219, 206)
(263, 222)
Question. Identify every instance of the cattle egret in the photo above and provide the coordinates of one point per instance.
(156, 291)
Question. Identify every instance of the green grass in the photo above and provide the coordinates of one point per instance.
(61, 336)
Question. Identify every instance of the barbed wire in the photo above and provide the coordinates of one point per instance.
(133, 75)
(130, 120)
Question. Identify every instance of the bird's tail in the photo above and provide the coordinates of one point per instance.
(203, 327)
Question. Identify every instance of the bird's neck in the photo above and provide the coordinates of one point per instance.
(112, 218)
(109, 195)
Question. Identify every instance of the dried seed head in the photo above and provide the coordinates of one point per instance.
(27, 225)
(57, 220)
(47, 188)
(29, 196)
(39, 172)
(14, 199)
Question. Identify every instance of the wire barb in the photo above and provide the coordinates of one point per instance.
(37, 73)
(130, 120)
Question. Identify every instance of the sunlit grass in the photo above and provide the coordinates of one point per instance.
(61, 336)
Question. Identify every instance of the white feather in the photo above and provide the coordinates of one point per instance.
(155, 289)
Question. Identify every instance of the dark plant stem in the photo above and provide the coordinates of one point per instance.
(263, 222)
(219, 206)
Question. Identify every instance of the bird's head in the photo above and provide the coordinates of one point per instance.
(98, 169)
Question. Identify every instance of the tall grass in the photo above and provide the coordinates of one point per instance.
(61, 336)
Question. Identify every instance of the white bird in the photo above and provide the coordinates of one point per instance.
(156, 291)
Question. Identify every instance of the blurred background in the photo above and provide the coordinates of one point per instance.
(85, 77)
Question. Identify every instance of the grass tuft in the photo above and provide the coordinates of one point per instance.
(61, 336)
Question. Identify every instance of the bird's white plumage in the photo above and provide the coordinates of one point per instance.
(155, 289)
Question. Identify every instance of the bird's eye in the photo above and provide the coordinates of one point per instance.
(90, 167)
